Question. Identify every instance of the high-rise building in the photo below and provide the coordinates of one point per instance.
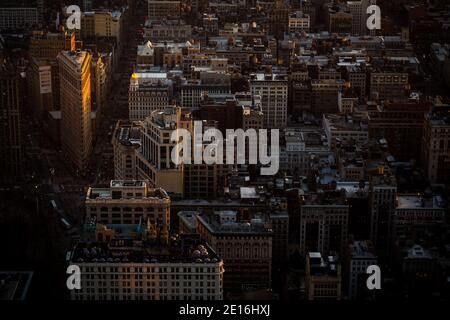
(141, 262)
(357, 195)
(417, 216)
(211, 24)
(43, 86)
(47, 45)
(436, 145)
(401, 124)
(148, 92)
(162, 9)
(361, 255)
(99, 84)
(203, 181)
(87, 5)
(210, 82)
(126, 140)
(420, 271)
(245, 247)
(175, 30)
(385, 85)
(18, 17)
(343, 129)
(154, 162)
(299, 22)
(43, 72)
(103, 23)
(339, 19)
(325, 94)
(232, 111)
(278, 17)
(10, 110)
(382, 201)
(358, 10)
(75, 97)
(301, 145)
(273, 89)
(324, 224)
(128, 202)
(322, 277)
(280, 226)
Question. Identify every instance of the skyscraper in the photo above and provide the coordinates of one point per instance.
(154, 157)
(273, 90)
(436, 144)
(358, 9)
(75, 84)
(10, 149)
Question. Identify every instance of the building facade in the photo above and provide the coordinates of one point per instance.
(10, 136)
(75, 101)
(138, 263)
(128, 202)
(273, 90)
(246, 248)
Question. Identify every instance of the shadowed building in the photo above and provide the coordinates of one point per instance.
(10, 144)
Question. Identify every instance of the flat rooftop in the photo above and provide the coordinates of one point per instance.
(119, 189)
(362, 250)
(132, 244)
(419, 202)
(352, 187)
(215, 226)
(189, 218)
(128, 134)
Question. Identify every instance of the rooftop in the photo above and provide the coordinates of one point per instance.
(189, 218)
(319, 266)
(268, 77)
(352, 187)
(76, 57)
(135, 243)
(418, 252)
(127, 189)
(417, 201)
(128, 134)
(225, 222)
(362, 249)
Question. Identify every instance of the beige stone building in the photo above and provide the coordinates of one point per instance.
(128, 202)
(140, 262)
(102, 23)
(148, 91)
(75, 98)
(154, 161)
(273, 90)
